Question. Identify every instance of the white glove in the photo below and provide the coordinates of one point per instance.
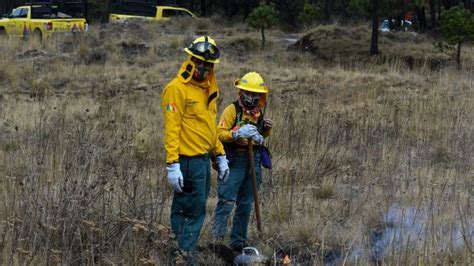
(257, 138)
(223, 171)
(245, 132)
(175, 177)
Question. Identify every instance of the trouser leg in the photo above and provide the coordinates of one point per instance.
(244, 205)
(188, 209)
(227, 193)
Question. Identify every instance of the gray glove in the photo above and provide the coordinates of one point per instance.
(257, 138)
(223, 168)
(175, 177)
(245, 132)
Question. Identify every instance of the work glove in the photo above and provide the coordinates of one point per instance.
(257, 138)
(267, 123)
(175, 177)
(245, 132)
(223, 168)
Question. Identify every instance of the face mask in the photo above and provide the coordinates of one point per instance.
(249, 100)
(201, 73)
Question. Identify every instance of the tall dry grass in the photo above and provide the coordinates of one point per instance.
(372, 161)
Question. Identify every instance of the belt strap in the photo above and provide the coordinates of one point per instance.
(201, 156)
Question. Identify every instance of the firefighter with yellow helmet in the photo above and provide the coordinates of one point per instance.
(189, 105)
(240, 121)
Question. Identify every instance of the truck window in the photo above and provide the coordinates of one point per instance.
(182, 13)
(15, 13)
(43, 12)
(175, 13)
(169, 13)
(23, 13)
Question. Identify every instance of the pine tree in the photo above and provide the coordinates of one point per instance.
(262, 18)
(456, 28)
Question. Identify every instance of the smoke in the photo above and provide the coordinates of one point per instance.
(399, 226)
(408, 228)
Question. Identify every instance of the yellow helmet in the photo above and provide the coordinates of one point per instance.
(204, 48)
(253, 82)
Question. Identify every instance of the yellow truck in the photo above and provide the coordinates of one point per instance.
(123, 10)
(42, 19)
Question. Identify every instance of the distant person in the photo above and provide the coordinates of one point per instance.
(242, 120)
(189, 104)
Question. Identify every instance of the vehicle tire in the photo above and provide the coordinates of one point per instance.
(37, 36)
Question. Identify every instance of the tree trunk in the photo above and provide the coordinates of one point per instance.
(438, 7)
(458, 55)
(327, 10)
(470, 5)
(263, 38)
(203, 8)
(398, 23)
(84, 11)
(391, 23)
(423, 18)
(434, 22)
(374, 39)
(447, 4)
(246, 10)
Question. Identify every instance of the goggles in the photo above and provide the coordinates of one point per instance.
(205, 49)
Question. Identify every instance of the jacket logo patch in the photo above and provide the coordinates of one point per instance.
(171, 107)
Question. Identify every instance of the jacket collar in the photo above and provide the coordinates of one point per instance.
(185, 75)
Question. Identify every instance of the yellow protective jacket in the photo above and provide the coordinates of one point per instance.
(228, 124)
(190, 111)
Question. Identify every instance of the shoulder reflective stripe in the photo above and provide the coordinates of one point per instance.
(189, 68)
(185, 75)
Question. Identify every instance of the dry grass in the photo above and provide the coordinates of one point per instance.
(363, 151)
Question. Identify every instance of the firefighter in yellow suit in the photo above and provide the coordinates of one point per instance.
(240, 121)
(189, 104)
